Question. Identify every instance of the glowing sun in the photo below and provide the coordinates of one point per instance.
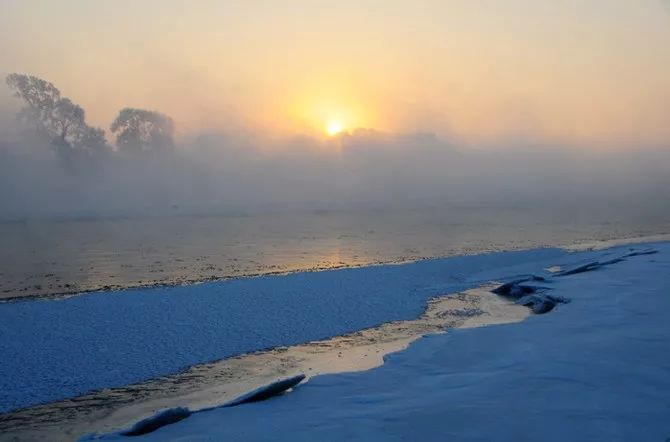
(334, 127)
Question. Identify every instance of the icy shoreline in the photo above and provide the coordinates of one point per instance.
(56, 349)
(596, 369)
(210, 385)
(475, 270)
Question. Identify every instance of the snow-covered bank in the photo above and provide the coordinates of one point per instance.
(212, 384)
(55, 349)
(597, 368)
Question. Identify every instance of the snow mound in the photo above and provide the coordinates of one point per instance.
(268, 391)
(173, 415)
(158, 420)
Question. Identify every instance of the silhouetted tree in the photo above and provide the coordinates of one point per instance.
(139, 130)
(58, 119)
(67, 119)
(39, 95)
(92, 138)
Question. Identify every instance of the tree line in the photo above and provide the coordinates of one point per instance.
(62, 124)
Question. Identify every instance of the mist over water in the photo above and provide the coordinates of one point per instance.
(44, 257)
(142, 200)
(222, 173)
(83, 208)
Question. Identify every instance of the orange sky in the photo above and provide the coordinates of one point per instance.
(587, 73)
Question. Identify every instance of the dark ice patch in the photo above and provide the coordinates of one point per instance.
(541, 303)
(598, 264)
(158, 420)
(174, 415)
(581, 269)
(529, 296)
(515, 289)
(267, 391)
(641, 252)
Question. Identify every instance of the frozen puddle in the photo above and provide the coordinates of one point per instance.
(219, 382)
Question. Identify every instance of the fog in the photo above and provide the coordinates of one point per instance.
(246, 171)
(170, 108)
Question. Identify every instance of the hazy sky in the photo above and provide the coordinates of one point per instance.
(572, 72)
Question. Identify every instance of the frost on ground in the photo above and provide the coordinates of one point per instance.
(597, 369)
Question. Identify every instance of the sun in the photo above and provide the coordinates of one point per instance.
(334, 127)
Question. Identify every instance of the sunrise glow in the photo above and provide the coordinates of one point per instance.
(334, 127)
(407, 150)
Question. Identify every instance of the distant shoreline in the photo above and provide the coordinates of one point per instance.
(579, 246)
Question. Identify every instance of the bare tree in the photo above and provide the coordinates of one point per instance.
(139, 130)
(58, 119)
